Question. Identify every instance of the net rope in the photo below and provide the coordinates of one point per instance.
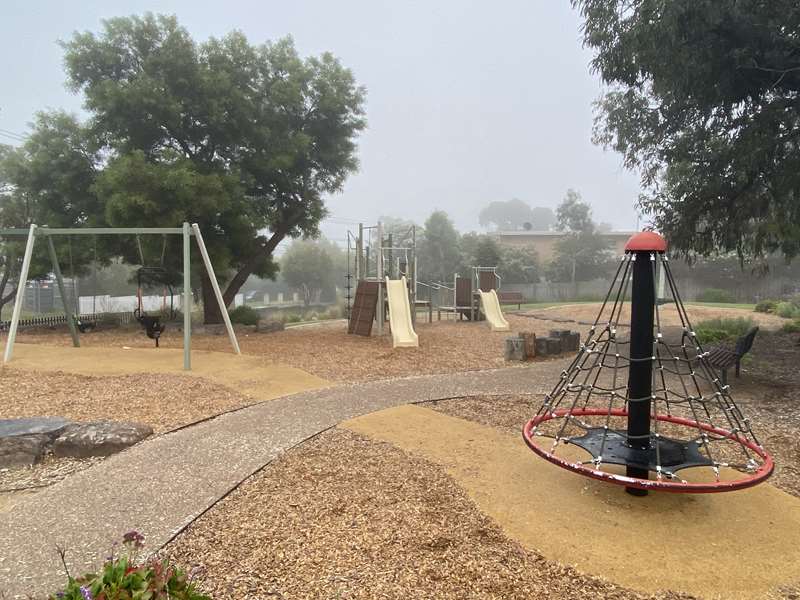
(689, 404)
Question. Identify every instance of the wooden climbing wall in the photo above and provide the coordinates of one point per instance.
(363, 312)
(487, 280)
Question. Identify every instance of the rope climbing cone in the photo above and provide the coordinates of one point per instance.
(640, 405)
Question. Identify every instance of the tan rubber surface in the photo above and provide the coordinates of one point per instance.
(731, 545)
(250, 375)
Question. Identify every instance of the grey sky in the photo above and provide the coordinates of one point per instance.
(468, 101)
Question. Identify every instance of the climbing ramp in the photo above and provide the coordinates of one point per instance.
(640, 406)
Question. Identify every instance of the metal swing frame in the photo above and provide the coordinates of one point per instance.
(187, 231)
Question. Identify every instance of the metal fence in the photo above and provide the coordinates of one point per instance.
(58, 320)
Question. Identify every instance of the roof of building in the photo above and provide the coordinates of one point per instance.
(558, 233)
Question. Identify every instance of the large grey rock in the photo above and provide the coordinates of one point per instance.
(22, 450)
(23, 442)
(98, 438)
(47, 425)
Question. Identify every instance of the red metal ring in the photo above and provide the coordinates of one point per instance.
(763, 472)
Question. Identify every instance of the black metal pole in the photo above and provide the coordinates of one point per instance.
(643, 299)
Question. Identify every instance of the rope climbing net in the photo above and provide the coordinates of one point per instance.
(584, 424)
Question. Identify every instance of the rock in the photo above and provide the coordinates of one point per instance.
(23, 450)
(49, 425)
(515, 349)
(98, 438)
(269, 326)
(23, 442)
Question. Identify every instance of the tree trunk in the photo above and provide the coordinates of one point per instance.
(211, 312)
(9, 297)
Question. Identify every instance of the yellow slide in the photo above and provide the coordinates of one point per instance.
(491, 308)
(403, 334)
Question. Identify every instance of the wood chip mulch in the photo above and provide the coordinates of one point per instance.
(342, 516)
(326, 349)
(163, 401)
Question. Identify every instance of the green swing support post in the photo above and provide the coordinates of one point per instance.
(186, 231)
(73, 330)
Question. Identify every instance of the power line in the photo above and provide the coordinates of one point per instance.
(12, 135)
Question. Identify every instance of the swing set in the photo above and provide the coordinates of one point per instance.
(152, 323)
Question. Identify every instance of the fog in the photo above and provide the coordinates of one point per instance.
(468, 102)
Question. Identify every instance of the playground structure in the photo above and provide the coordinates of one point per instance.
(390, 289)
(475, 298)
(152, 324)
(672, 413)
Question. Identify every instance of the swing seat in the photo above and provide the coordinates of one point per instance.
(85, 326)
(151, 324)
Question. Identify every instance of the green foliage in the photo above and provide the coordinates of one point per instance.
(791, 326)
(766, 306)
(242, 139)
(438, 250)
(519, 265)
(716, 295)
(122, 578)
(294, 318)
(583, 254)
(703, 102)
(487, 253)
(712, 331)
(244, 315)
(574, 215)
(47, 180)
(314, 267)
(514, 214)
(787, 310)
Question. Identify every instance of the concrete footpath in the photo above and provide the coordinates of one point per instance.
(160, 485)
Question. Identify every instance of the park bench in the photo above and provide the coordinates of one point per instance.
(724, 358)
(511, 298)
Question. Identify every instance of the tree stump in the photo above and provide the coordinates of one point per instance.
(530, 344)
(515, 349)
(570, 340)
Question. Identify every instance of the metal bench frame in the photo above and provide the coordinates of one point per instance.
(724, 358)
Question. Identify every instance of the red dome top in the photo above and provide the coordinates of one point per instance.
(646, 241)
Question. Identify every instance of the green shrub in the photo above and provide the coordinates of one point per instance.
(244, 315)
(791, 326)
(766, 306)
(787, 310)
(121, 578)
(295, 318)
(716, 295)
(721, 330)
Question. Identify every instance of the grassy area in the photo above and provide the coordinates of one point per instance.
(723, 305)
(538, 305)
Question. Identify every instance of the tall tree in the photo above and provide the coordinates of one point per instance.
(542, 218)
(583, 253)
(47, 181)
(438, 250)
(263, 132)
(574, 215)
(505, 215)
(519, 265)
(704, 100)
(310, 266)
